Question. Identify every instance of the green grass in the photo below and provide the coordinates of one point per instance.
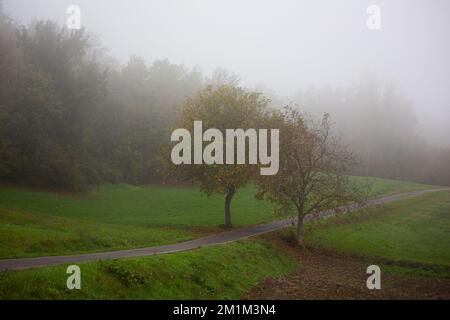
(220, 272)
(27, 235)
(143, 206)
(159, 205)
(412, 233)
(382, 187)
(111, 217)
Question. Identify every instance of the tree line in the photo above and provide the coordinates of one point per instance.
(378, 123)
(72, 117)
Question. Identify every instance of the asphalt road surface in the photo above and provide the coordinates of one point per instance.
(220, 238)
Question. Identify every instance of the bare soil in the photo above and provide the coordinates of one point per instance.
(331, 275)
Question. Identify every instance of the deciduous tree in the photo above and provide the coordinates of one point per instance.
(313, 169)
(225, 107)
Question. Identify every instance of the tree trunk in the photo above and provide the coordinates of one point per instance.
(300, 240)
(230, 193)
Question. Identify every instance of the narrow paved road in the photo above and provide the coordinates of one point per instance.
(229, 236)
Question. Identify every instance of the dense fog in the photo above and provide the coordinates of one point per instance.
(282, 45)
(386, 89)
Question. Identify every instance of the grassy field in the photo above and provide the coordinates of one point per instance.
(27, 235)
(220, 272)
(407, 236)
(143, 206)
(382, 187)
(161, 206)
(111, 217)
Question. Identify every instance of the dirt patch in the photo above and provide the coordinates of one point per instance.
(329, 275)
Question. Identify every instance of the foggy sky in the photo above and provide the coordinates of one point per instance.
(285, 45)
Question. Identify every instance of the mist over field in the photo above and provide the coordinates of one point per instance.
(386, 89)
(224, 149)
(284, 46)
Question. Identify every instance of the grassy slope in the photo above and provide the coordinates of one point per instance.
(27, 235)
(113, 217)
(220, 272)
(161, 206)
(381, 187)
(228, 270)
(413, 231)
(407, 233)
(121, 216)
(143, 206)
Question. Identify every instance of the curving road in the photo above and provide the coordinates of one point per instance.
(228, 236)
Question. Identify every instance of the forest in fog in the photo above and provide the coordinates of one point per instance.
(72, 117)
